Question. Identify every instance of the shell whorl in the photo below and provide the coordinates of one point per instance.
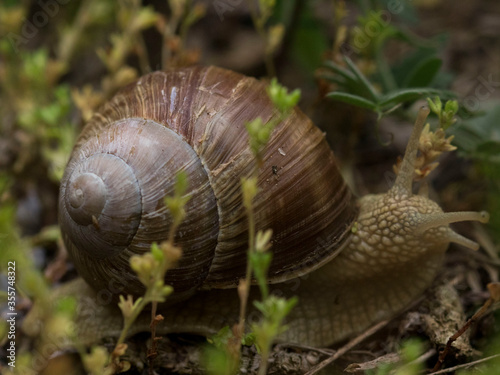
(85, 197)
(103, 198)
(194, 119)
(135, 161)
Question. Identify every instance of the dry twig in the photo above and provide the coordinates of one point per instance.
(466, 365)
(351, 344)
(494, 289)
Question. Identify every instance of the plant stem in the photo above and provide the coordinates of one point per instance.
(264, 361)
(131, 319)
(248, 276)
(258, 23)
(142, 54)
(70, 38)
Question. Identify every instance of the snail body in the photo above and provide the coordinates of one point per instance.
(350, 262)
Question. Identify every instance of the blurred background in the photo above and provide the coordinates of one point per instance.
(60, 60)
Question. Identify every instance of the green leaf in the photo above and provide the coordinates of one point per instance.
(370, 90)
(472, 133)
(351, 81)
(219, 361)
(423, 73)
(406, 95)
(181, 183)
(340, 71)
(260, 264)
(178, 201)
(248, 339)
(280, 97)
(435, 105)
(353, 99)
(157, 253)
(249, 189)
(275, 308)
(405, 67)
(334, 78)
(219, 340)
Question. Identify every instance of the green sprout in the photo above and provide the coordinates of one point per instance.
(280, 97)
(151, 268)
(445, 115)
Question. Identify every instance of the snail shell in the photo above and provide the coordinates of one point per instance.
(126, 159)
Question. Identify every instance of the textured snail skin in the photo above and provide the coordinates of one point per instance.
(330, 309)
(367, 282)
(351, 264)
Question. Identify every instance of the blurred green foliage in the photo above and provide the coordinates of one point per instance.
(38, 107)
(478, 138)
(385, 84)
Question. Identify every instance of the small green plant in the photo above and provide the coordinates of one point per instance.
(150, 268)
(174, 30)
(359, 91)
(374, 83)
(271, 34)
(131, 19)
(39, 124)
(446, 114)
(42, 119)
(36, 105)
(258, 132)
(225, 352)
(54, 314)
(433, 144)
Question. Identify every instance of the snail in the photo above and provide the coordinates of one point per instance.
(351, 262)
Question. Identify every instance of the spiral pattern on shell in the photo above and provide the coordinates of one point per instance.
(125, 161)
